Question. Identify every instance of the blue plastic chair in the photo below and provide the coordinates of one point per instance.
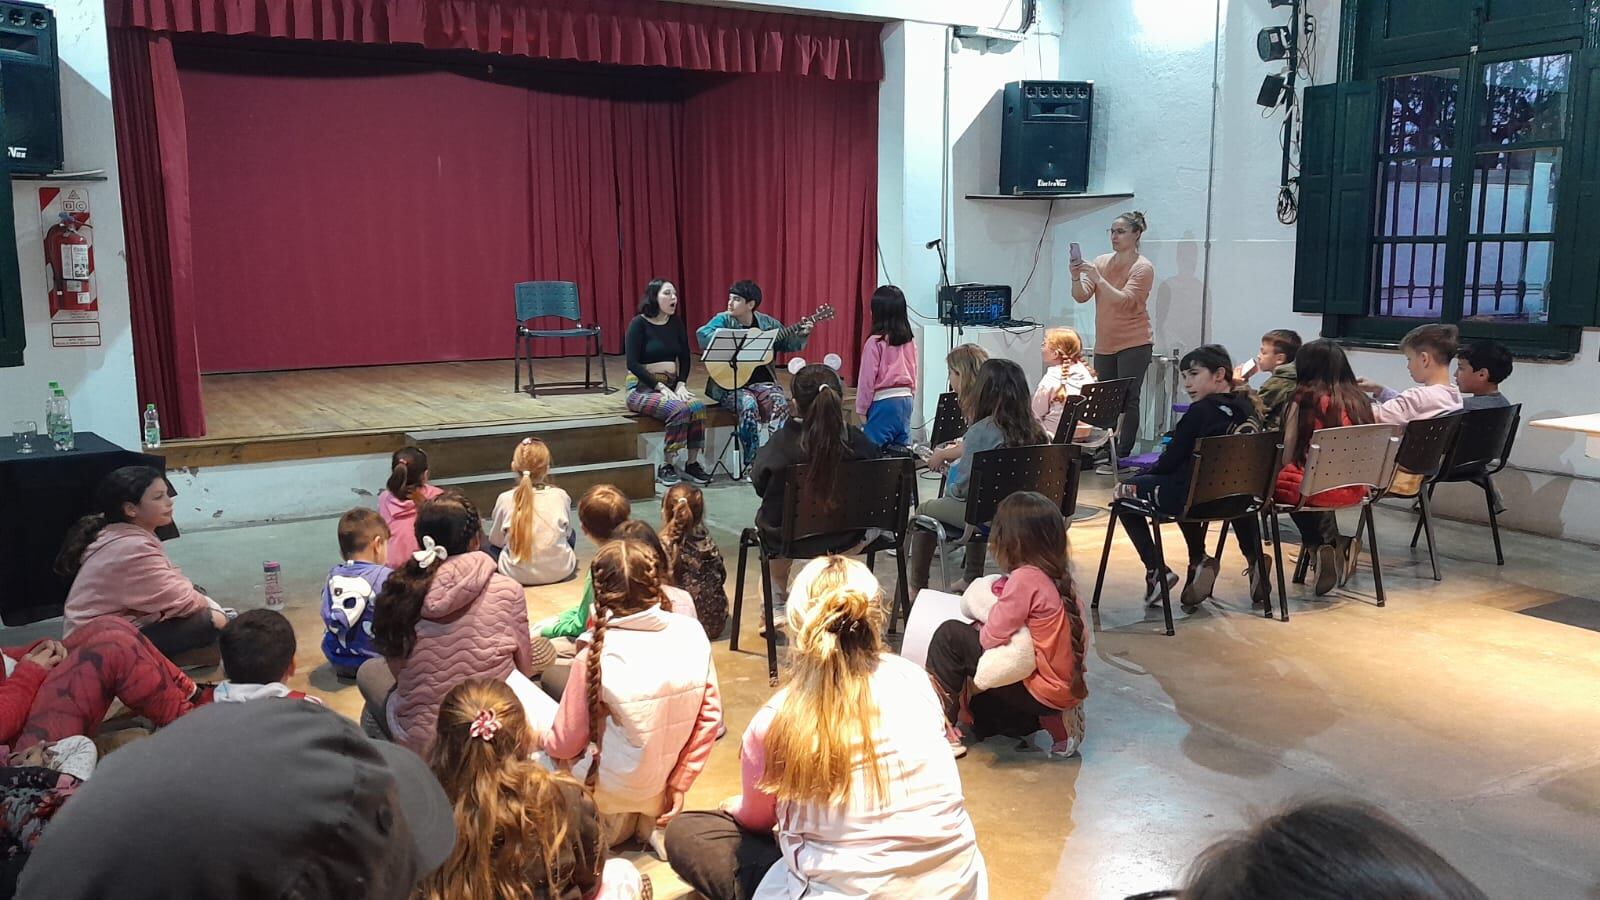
(554, 299)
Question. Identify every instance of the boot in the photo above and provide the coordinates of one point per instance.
(919, 546)
(977, 551)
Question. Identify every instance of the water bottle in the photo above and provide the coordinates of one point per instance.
(269, 579)
(58, 420)
(152, 426)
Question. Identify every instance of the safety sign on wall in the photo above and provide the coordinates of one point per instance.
(69, 266)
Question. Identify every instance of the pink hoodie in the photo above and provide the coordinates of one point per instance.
(126, 573)
(885, 368)
(401, 517)
(474, 625)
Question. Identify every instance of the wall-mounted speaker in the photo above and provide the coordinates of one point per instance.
(30, 88)
(1044, 137)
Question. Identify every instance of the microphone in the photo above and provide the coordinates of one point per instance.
(933, 243)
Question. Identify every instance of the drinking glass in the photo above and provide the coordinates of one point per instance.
(23, 432)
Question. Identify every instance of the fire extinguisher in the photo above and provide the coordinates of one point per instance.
(71, 258)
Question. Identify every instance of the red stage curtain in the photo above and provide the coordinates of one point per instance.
(153, 166)
(780, 185)
(617, 32)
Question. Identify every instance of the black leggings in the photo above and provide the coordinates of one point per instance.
(717, 858)
(175, 637)
(953, 659)
(1246, 529)
(1316, 528)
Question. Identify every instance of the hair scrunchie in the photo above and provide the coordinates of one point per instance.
(485, 725)
(430, 553)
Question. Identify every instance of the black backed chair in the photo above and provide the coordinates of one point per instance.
(1101, 407)
(1069, 420)
(1350, 456)
(1480, 450)
(558, 300)
(1233, 476)
(879, 496)
(1421, 455)
(1050, 469)
(948, 425)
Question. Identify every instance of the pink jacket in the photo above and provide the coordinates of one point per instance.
(883, 368)
(126, 573)
(474, 625)
(1423, 401)
(401, 516)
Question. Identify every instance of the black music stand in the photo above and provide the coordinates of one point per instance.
(738, 348)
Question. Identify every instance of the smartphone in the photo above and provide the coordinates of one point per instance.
(1076, 253)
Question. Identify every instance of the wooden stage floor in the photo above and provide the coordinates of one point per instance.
(311, 413)
(311, 402)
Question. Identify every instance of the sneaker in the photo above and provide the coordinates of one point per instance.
(1042, 741)
(697, 473)
(1104, 469)
(658, 843)
(1328, 569)
(1350, 554)
(1260, 583)
(1202, 578)
(958, 738)
(1152, 585)
(667, 475)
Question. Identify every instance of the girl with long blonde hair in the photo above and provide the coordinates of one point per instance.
(530, 533)
(646, 702)
(845, 762)
(521, 831)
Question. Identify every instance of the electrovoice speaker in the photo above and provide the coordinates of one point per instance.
(974, 304)
(30, 88)
(1044, 137)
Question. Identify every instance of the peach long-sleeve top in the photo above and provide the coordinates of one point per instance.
(1121, 324)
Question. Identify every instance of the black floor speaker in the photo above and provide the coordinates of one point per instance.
(30, 88)
(1044, 137)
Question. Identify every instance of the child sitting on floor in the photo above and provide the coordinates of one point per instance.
(1064, 376)
(600, 510)
(352, 586)
(258, 657)
(694, 562)
(407, 487)
(1428, 349)
(677, 599)
(516, 822)
(1480, 367)
(530, 535)
(1029, 538)
(648, 702)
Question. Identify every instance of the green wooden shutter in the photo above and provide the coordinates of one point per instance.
(1575, 289)
(1312, 259)
(1355, 182)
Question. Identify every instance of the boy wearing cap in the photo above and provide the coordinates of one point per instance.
(305, 806)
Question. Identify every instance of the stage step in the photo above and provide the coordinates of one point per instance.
(635, 478)
(574, 444)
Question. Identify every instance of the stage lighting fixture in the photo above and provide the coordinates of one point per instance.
(1271, 93)
(1273, 43)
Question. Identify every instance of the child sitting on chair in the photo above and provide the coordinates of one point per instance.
(1276, 357)
(1064, 376)
(1428, 349)
(1480, 367)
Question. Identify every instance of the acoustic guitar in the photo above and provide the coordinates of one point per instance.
(722, 374)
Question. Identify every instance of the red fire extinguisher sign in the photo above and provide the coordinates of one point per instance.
(69, 266)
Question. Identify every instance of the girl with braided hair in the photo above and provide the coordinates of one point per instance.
(521, 831)
(1029, 539)
(646, 701)
(845, 762)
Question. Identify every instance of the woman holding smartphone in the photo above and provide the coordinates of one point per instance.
(1119, 282)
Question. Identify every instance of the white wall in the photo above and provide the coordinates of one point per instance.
(99, 381)
(1153, 135)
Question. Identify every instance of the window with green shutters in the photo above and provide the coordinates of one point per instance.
(1453, 174)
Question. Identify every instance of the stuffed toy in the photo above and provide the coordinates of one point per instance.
(1010, 662)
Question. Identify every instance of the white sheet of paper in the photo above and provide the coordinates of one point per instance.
(537, 706)
(929, 610)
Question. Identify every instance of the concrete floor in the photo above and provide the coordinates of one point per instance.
(1475, 725)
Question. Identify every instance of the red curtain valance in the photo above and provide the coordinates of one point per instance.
(614, 32)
